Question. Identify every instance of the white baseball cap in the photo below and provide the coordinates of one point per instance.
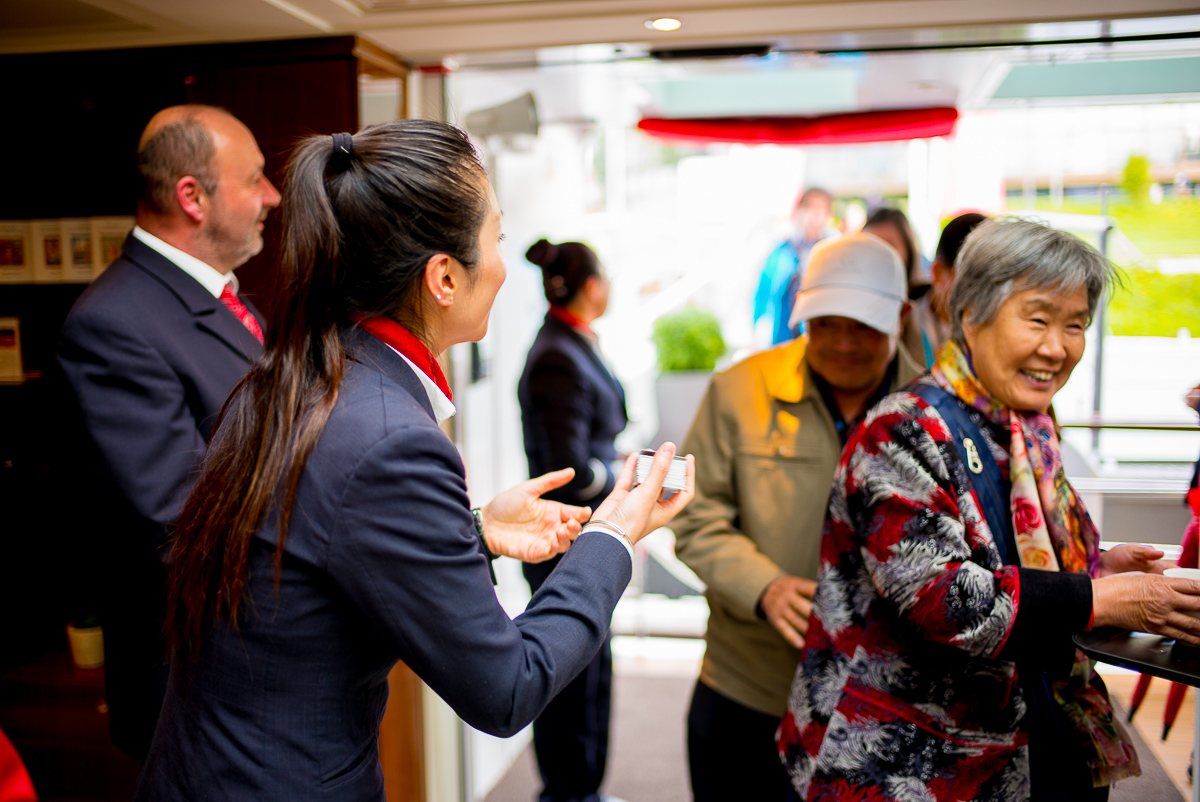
(859, 277)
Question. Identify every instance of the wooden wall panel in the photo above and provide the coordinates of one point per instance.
(401, 738)
(281, 103)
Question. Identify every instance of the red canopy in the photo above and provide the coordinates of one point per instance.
(829, 129)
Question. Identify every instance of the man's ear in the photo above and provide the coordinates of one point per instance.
(192, 198)
(440, 280)
(905, 311)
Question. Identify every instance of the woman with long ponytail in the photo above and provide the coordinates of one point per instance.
(330, 531)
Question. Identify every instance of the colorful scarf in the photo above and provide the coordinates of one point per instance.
(1053, 532)
(1052, 529)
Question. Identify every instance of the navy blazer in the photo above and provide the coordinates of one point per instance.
(572, 409)
(381, 562)
(149, 356)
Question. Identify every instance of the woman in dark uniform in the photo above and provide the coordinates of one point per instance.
(572, 408)
(330, 531)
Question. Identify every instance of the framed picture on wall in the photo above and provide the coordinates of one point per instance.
(11, 370)
(47, 245)
(16, 253)
(79, 250)
(108, 235)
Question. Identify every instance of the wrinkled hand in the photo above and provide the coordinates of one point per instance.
(1148, 603)
(1132, 557)
(639, 511)
(787, 604)
(518, 523)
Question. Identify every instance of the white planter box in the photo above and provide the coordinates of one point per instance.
(678, 394)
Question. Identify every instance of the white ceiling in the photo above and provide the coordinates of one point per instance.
(426, 31)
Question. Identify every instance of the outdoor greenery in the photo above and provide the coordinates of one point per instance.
(689, 339)
(1136, 179)
(1164, 229)
(1153, 304)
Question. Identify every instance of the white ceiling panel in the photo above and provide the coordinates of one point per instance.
(426, 31)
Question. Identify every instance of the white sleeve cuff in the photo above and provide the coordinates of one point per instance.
(613, 535)
(599, 478)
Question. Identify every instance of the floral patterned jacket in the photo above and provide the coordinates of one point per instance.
(908, 687)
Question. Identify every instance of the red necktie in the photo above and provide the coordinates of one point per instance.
(243, 314)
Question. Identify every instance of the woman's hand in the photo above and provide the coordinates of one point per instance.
(1148, 603)
(518, 523)
(639, 511)
(1132, 557)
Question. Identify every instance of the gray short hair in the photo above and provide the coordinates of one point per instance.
(1007, 254)
(175, 150)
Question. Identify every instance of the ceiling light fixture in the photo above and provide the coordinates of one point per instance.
(664, 24)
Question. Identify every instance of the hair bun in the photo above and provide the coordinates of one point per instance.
(542, 253)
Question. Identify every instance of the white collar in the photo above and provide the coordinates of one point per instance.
(209, 277)
(443, 407)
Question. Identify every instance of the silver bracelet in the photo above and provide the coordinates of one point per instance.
(609, 524)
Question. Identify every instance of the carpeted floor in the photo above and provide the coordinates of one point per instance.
(648, 763)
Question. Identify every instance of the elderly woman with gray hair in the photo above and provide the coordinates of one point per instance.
(957, 563)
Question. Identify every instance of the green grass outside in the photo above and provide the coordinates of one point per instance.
(1169, 228)
(1153, 304)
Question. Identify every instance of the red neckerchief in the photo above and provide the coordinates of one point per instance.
(395, 335)
(570, 318)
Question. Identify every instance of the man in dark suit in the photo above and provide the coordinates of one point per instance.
(149, 353)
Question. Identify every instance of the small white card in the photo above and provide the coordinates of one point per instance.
(676, 474)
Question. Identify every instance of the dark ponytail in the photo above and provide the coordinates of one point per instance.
(362, 216)
(565, 268)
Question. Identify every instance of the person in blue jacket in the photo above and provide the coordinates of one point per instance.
(572, 409)
(330, 531)
(780, 278)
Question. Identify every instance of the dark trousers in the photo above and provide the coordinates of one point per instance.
(732, 752)
(135, 666)
(570, 737)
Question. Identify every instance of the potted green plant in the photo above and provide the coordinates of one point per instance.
(689, 343)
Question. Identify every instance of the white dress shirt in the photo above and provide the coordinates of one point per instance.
(209, 277)
(443, 407)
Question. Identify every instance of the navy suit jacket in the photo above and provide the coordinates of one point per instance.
(149, 356)
(572, 409)
(381, 562)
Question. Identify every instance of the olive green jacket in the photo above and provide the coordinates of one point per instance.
(766, 449)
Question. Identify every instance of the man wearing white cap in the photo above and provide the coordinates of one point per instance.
(767, 438)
